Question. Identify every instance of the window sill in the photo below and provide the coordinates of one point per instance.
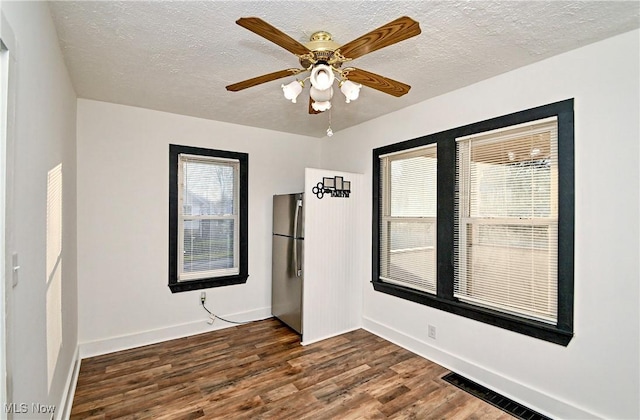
(186, 286)
(535, 329)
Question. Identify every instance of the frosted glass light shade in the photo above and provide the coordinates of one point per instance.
(321, 106)
(322, 77)
(321, 95)
(292, 90)
(350, 90)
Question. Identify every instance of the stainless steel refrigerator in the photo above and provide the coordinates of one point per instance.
(287, 259)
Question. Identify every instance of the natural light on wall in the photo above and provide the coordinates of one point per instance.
(54, 269)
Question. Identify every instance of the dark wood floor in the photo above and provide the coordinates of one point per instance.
(260, 370)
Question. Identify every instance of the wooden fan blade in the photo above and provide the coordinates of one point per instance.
(377, 82)
(262, 79)
(311, 110)
(265, 30)
(389, 34)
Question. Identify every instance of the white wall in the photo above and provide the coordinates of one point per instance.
(123, 190)
(44, 137)
(598, 373)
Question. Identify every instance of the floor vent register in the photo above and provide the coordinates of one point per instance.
(505, 404)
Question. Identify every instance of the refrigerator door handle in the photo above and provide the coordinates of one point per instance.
(296, 218)
(296, 262)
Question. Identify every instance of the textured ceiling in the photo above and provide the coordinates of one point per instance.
(179, 56)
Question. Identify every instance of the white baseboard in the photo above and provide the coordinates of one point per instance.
(315, 340)
(532, 398)
(125, 342)
(64, 407)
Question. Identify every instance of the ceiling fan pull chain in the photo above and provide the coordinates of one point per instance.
(329, 130)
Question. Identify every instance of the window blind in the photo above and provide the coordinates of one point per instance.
(408, 218)
(506, 220)
(208, 209)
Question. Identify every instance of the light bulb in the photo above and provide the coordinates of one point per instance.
(329, 132)
(350, 90)
(292, 90)
(322, 77)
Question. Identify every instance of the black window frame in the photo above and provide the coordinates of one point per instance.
(562, 332)
(243, 158)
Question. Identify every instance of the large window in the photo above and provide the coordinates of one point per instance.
(499, 247)
(208, 218)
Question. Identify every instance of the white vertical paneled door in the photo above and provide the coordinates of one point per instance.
(334, 258)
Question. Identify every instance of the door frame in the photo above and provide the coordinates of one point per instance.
(8, 76)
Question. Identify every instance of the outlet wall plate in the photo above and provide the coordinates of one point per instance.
(432, 332)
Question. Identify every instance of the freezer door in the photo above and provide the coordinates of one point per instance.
(288, 215)
(286, 294)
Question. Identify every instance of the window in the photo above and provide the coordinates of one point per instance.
(207, 218)
(506, 221)
(494, 202)
(408, 218)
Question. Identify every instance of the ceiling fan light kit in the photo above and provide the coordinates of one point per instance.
(323, 59)
(321, 95)
(292, 90)
(321, 106)
(350, 90)
(322, 76)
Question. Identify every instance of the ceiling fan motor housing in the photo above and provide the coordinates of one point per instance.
(322, 45)
(321, 41)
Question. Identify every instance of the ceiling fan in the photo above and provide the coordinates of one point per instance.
(324, 59)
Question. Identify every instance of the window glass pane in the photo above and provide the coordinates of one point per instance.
(512, 178)
(411, 254)
(208, 245)
(408, 224)
(509, 267)
(407, 235)
(208, 188)
(413, 186)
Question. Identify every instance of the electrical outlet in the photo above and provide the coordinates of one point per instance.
(432, 332)
(203, 297)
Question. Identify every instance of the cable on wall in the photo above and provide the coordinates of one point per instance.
(214, 316)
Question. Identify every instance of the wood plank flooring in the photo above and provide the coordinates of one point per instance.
(260, 371)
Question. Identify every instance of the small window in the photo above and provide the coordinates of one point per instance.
(208, 218)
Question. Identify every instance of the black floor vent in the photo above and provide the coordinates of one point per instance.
(493, 398)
